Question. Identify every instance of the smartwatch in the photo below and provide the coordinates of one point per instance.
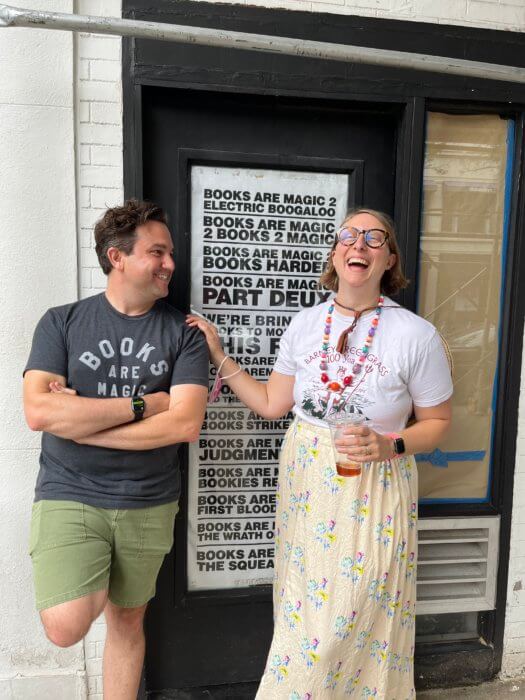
(138, 406)
(398, 444)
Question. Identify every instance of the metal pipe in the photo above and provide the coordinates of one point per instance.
(14, 17)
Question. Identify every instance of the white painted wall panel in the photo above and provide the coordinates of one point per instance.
(36, 64)
(38, 268)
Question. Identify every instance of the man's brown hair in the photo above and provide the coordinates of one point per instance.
(393, 279)
(118, 228)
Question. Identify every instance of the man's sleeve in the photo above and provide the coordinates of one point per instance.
(48, 350)
(191, 365)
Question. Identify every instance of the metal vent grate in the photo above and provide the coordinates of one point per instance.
(457, 567)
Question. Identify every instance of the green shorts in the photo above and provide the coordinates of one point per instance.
(77, 549)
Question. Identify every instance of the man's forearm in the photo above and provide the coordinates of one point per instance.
(75, 417)
(167, 428)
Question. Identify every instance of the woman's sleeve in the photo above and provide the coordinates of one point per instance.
(430, 381)
(285, 363)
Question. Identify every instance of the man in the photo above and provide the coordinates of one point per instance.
(115, 382)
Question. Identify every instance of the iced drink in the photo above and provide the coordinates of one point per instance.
(337, 424)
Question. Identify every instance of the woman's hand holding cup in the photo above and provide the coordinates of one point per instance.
(363, 444)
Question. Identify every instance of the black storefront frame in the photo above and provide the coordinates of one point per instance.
(160, 64)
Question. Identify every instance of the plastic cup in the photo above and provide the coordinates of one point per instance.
(337, 425)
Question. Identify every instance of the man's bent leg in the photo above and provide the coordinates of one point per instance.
(67, 623)
(124, 651)
(71, 553)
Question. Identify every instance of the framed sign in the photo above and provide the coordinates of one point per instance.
(260, 238)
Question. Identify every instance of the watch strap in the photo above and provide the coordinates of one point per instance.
(138, 406)
(398, 444)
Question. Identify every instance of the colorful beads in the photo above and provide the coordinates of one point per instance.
(335, 387)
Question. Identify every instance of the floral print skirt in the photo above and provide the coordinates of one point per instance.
(345, 577)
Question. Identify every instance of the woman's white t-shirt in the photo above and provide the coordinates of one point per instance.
(406, 366)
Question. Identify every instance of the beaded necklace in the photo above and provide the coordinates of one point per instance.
(336, 387)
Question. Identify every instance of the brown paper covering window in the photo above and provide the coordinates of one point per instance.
(460, 282)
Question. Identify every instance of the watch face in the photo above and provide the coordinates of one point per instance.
(137, 403)
(399, 445)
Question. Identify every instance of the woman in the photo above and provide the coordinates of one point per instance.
(346, 549)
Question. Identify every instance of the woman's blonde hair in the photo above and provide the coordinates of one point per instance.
(393, 279)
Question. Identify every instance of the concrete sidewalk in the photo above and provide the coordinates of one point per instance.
(502, 690)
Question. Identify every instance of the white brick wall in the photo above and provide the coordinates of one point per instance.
(514, 646)
(93, 650)
(100, 184)
(99, 135)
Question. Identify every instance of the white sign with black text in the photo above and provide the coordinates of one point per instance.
(260, 239)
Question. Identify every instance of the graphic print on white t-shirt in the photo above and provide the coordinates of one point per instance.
(405, 366)
(319, 402)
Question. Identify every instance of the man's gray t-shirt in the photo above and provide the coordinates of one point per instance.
(103, 353)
